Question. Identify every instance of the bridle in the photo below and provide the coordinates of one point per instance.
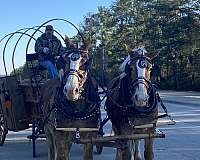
(74, 72)
(141, 79)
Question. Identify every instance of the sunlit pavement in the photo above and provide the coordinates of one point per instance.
(181, 142)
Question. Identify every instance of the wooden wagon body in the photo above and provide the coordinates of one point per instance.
(20, 108)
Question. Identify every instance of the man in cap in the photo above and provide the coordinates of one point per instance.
(48, 46)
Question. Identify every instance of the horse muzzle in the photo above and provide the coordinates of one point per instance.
(71, 94)
(140, 101)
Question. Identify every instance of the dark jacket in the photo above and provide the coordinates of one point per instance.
(54, 45)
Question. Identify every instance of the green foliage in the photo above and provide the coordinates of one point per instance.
(168, 27)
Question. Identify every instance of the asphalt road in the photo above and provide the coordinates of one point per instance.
(181, 142)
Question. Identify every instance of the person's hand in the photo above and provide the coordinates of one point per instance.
(45, 50)
(57, 57)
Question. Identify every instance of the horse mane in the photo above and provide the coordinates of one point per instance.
(122, 66)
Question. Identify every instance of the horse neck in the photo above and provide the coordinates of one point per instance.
(90, 93)
(124, 91)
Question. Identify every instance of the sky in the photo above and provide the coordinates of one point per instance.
(17, 14)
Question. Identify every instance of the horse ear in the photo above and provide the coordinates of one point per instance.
(86, 46)
(130, 50)
(154, 56)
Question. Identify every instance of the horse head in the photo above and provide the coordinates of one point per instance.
(138, 67)
(76, 75)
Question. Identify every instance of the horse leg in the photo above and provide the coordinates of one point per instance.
(69, 145)
(118, 154)
(50, 142)
(88, 151)
(148, 152)
(61, 146)
(124, 153)
(137, 153)
(148, 147)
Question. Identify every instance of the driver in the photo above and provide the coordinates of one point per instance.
(49, 46)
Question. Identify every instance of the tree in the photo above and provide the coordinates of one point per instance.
(168, 27)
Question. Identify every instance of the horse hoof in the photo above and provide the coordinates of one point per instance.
(138, 157)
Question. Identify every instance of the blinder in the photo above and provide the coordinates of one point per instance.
(128, 68)
(75, 56)
(60, 63)
(142, 63)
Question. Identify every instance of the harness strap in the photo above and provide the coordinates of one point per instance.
(162, 116)
(164, 108)
(73, 72)
(102, 123)
(94, 108)
(137, 80)
(46, 118)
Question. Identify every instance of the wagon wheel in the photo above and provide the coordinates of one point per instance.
(3, 129)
